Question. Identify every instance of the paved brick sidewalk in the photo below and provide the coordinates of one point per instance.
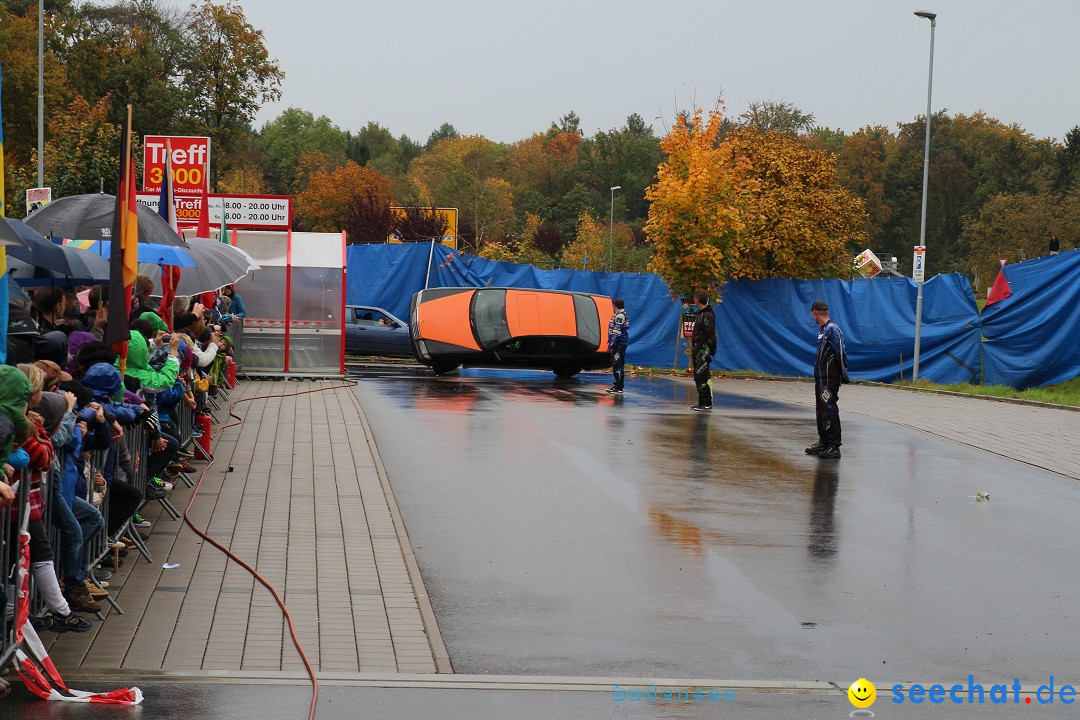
(306, 506)
(1044, 437)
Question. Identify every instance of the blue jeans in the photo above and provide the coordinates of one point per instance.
(77, 527)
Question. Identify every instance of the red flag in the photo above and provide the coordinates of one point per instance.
(170, 278)
(999, 291)
(203, 230)
(124, 250)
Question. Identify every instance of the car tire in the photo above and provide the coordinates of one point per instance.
(566, 371)
(444, 368)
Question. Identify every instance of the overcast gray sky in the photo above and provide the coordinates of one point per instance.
(507, 69)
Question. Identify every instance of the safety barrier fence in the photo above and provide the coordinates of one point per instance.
(9, 557)
(126, 461)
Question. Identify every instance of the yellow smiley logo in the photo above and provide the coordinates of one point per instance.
(862, 693)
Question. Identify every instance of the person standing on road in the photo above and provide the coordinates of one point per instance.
(830, 370)
(702, 350)
(618, 338)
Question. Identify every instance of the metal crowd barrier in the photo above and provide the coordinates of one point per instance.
(235, 332)
(9, 560)
(97, 549)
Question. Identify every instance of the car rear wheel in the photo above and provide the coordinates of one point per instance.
(566, 371)
(443, 368)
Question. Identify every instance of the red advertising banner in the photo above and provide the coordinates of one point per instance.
(190, 164)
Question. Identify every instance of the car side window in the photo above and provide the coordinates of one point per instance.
(489, 318)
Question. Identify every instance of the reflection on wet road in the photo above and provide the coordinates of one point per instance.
(564, 531)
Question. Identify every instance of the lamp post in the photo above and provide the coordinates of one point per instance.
(932, 17)
(41, 96)
(611, 228)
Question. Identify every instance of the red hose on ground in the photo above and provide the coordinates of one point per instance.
(254, 573)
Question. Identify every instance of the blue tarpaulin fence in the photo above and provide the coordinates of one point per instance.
(1032, 337)
(763, 325)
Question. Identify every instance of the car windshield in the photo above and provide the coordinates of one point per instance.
(489, 318)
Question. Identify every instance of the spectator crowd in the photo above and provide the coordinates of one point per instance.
(88, 438)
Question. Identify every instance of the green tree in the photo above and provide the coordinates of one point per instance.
(133, 52)
(230, 73)
(18, 56)
(291, 133)
(972, 159)
(1019, 226)
(1068, 162)
(446, 131)
(466, 173)
(777, 115)
(80, 153)
(593, 240)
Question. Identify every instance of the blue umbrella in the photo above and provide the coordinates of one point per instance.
(148, 252)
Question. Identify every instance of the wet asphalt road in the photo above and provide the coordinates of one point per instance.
(562, 531)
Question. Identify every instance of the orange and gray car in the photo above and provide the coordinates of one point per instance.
(565, 332)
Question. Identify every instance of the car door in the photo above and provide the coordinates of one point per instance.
(367, 338)
(352, 331)
(382, 339)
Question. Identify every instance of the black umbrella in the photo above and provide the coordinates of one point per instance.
(15, 293)
(90, 217)
(9, 236)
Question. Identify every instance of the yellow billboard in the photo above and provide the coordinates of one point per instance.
(450, 239)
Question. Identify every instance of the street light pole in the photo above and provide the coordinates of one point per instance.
(611, 228)
(41, 96)
(932, 17)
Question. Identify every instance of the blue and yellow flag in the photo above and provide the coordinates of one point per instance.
(3, 252)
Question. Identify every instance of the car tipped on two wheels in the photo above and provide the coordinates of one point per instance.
(565, 332)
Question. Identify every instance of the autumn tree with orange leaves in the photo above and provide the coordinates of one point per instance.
(354, 197)
(797, 222)
(751, 205)
(693, 216)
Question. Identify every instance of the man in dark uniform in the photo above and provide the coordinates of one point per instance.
(702, 350)
(830, 370)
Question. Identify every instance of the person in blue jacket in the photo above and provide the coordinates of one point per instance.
(106, 383)
(236, 309)
(618, 339)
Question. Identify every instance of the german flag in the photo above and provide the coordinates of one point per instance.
(3, 251)
(124, 250)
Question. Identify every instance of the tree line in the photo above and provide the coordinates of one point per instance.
(995, 189)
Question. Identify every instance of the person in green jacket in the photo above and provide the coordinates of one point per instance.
(155, 321)
(139, 368)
